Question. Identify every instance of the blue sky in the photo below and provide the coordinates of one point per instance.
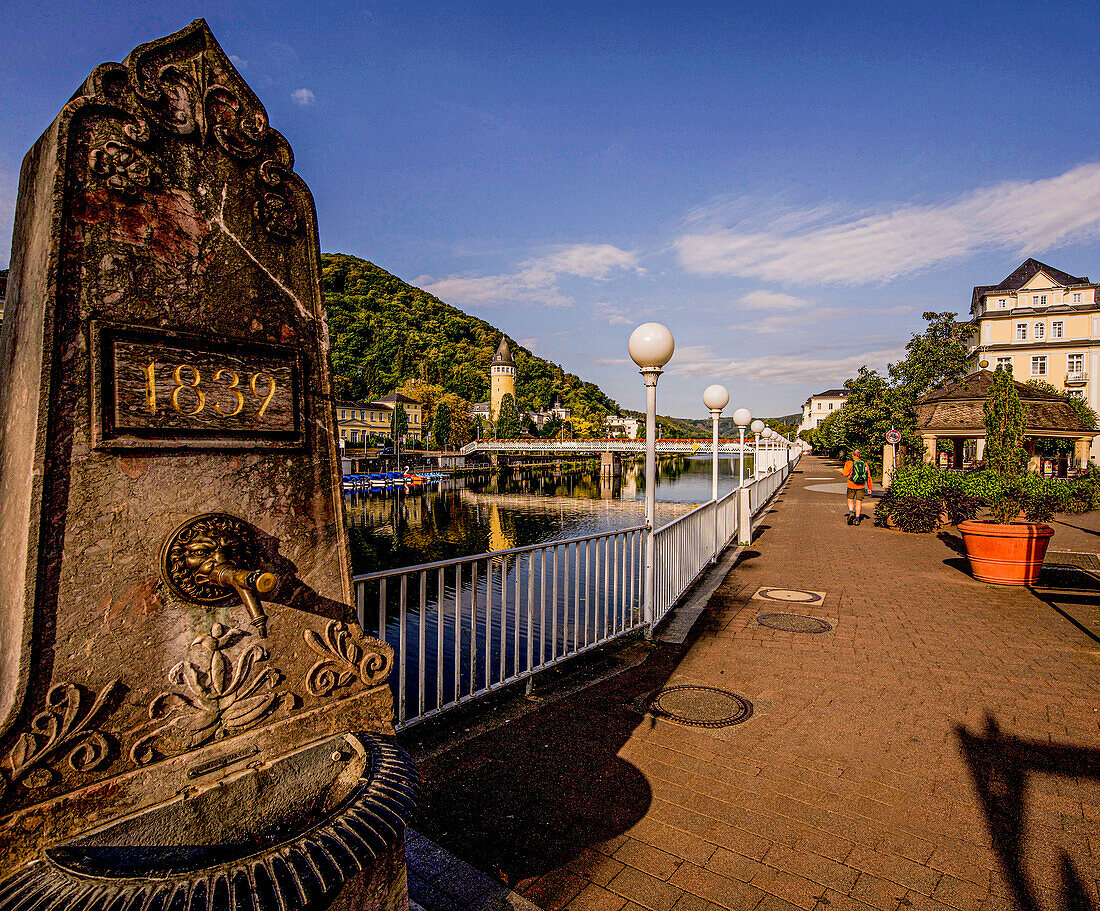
(786, 185)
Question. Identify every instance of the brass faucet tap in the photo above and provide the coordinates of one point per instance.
(202, 561)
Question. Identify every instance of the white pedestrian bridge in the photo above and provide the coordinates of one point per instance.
(597, 447)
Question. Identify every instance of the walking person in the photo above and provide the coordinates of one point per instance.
(858, 474)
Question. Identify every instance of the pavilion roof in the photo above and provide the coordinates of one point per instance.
(961, 408)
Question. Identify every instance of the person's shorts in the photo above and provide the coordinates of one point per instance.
(856, 494)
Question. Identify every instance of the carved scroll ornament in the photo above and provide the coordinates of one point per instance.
(346, 657)
(64, 725)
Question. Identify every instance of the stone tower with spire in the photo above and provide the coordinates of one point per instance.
(502, 377)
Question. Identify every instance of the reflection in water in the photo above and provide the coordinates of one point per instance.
(502, 510)
(483, 623)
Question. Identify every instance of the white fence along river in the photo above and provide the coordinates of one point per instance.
(466, 627)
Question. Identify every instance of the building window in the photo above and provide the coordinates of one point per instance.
(355, 436)
(1021, 332)
(1057, 329)
(1001, 302)
(1039, 365)
(1005, 363)
(1077, 297)
(1076, 393)
(1038, 300)
(1040, 330)
(1075, 363)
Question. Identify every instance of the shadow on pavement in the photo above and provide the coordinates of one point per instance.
(1005, 770)
(526, 798)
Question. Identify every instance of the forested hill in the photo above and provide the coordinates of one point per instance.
(386, 334)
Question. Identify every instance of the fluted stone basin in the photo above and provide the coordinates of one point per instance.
(279, 836)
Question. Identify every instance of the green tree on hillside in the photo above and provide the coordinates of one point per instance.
(385, 333)
(399, 422)
(507, 426)
(441, 424)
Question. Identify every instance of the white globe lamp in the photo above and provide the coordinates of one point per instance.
(651, 346)
(716, 397)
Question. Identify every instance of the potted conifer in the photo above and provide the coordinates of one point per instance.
(1009, 547)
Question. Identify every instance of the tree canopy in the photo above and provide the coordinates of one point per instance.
(386, 334)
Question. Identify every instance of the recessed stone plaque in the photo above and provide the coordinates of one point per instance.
(170, 389)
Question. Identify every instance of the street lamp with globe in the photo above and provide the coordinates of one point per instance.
(715, 397)
(651, 346)
(757, 428)
(742, 417)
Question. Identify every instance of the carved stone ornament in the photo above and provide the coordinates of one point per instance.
(346, 657)
(194, 94)
(220, 699)
(63, 725)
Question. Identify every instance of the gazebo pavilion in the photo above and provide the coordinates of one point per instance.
(957, 413)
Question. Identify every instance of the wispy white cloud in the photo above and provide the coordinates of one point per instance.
(304, 97)
(773, 300)
(239, 62)
(819, 245)
(536, 280)
(529, 343)
(615, 316)
(785, 321)
(702, 360)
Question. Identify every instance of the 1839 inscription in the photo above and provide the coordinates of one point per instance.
(161, 389)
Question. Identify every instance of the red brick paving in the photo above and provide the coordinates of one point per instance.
(847, 790)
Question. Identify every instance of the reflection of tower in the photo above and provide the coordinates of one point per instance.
(498, 538)
(502, 377)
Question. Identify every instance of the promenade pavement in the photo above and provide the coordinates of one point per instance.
(939, 748)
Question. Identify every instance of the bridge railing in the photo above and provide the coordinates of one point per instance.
(632, 447)
(466, 627)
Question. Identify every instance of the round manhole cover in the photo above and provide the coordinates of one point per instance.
(789, 594)
(705, 706)
(794, 623)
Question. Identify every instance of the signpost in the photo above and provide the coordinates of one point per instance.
(893, 438)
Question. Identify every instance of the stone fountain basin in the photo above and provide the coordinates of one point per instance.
(279, 835)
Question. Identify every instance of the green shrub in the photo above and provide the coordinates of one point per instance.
(958, 505)
(909, 513)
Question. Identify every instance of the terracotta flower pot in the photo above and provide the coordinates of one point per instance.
(1009, 554)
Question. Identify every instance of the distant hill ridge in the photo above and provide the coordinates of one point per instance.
(385, 332)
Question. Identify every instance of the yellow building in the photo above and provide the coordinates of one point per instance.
(502, 377)
(1045, 325)
(359, 421)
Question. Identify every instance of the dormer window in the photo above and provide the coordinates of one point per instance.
(1001, 302)
(1040, 331)
(1038, 300)
(1077, 297)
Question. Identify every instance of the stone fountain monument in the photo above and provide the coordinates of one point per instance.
(190, 717)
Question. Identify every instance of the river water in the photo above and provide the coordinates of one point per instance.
(492, 512)
(471, 627)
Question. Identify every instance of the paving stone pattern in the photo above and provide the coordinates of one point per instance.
(940, 749)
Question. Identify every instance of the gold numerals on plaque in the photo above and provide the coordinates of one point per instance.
(189, 390)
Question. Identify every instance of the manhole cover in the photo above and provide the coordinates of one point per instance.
(704, 706)
(794, 623)
(789, 595)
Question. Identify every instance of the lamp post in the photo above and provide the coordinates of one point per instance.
(742, 417)
(715, 397)
(769, 435)
(651, 346)
(757, 428)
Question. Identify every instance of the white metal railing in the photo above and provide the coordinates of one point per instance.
(685, 547)
(466, 627)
